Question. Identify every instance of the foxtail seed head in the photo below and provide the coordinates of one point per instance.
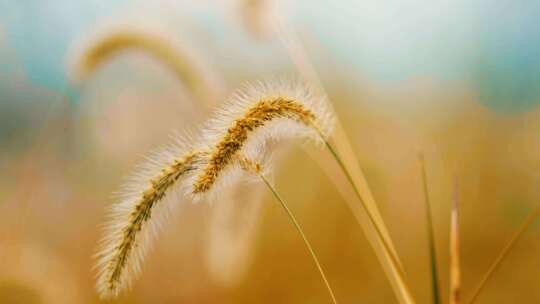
(267, 111)
(136, 218)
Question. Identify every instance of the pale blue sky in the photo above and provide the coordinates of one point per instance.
(491, 46)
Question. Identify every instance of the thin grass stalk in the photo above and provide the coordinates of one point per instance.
(403, 289)
(455, 268)
(528, 221)
(381, 242)
(234, 132)
(431, 235)
(340, 140)
(301, 232)
(358, 181)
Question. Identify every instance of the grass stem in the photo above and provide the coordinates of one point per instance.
(301, 232)
(393, 268)
(528, 221)
(431, 235)
(393, 259)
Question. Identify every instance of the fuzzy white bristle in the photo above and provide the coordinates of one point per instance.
(275, 130)
(120, 217)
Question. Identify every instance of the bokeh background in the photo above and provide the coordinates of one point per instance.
(456, 80)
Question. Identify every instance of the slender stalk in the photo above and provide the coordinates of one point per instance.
(301, 232)
(528, 221)
(386, 246)
(455, 269)
(431, 233)
(393, 268)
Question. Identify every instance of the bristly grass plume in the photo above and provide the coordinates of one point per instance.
(237, 138)
(143, 204)
(272, 110)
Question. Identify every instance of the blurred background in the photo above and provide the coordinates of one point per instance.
(456, 80)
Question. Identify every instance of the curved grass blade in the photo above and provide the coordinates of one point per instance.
(363, 206)
(301, 232)
(455, 269)
(431, 235)
(533, 215)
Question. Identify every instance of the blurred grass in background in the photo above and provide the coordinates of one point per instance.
(456, 80)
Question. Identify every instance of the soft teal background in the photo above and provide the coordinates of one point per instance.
(40, 32)
(490, 47)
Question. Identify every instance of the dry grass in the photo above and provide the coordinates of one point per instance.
(436, 297)
(261, 113)
(237, 140)
(256, 168)
(362, 203)
(188, 67)
(134, 220)
(533, 215)
(267, 111)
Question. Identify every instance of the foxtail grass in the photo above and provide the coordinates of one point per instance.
(262, 112)
(189, 69)
(256, 168)
(240, 131)
(259, 113)
(133, 221)
(143, 205)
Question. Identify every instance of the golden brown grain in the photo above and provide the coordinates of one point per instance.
(142, 214)
(257, 116)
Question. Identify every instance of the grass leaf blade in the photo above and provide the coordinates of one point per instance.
(301, 232)
(528, 221)
(431, 234)
(363, 206)
(455, 270)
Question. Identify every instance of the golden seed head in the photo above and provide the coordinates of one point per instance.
(236, 136)
(118, 254)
